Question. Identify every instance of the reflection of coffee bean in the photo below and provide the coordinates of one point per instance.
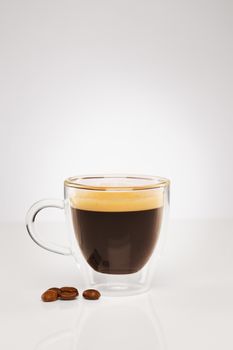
(106, 263)
(91, 294)
(68, 295)
(49, 295)
(94, 258)
(69, 290)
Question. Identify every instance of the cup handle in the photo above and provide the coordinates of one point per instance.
(31, 227)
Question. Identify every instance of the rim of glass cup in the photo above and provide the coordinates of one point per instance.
(102, 182)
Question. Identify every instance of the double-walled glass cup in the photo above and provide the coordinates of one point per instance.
(116, 225)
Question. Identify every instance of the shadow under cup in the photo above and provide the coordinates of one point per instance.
(117, 231)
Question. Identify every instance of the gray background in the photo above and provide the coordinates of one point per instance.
(117, 86)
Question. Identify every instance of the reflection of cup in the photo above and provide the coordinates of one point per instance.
(57, 341)
(116, 222)
(128, 323)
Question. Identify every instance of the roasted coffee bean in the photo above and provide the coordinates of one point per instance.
(58, 290)
(49, 295)
(69, 290)
(91, 294)
(68, 295)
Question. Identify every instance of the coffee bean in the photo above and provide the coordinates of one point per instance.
(64, 293)
(58, 290)
(49, 295)
(69, 290)
(68, 295)
(91, 294)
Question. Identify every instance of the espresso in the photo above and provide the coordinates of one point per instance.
(117, 233)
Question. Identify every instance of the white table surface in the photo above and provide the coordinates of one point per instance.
(190, 305)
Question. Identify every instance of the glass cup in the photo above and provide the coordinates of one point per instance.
(116, 225)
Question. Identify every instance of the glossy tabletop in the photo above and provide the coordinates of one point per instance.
(190, 304)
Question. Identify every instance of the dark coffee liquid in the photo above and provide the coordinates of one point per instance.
(117, 242)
